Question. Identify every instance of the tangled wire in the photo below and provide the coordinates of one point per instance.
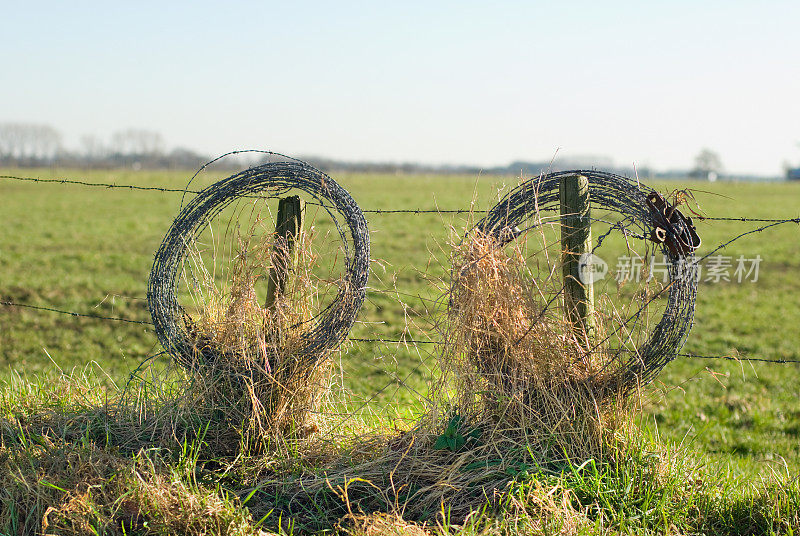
(521, 208)
(331, 326)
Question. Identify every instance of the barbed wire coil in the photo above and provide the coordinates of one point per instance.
(331, 327)
(520, 208)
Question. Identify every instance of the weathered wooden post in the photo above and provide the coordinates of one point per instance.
(576, 241)
(288, 227)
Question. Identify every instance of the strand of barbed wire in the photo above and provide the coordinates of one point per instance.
(73, 313)
(370, 211)
(382, 340)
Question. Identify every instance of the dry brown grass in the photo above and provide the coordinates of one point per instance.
(515, 396)
(379, 524)
(54, 487)
(248, 363)
(512, 362)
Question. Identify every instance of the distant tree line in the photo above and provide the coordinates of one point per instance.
(29, 145)
(517, 168)
(32, 145)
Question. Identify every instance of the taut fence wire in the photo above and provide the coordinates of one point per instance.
(382, 340)
(366, 210)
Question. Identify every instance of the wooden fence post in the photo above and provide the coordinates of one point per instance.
(576, 240)
(288, 227)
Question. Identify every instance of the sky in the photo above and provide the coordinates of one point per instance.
(484, 83)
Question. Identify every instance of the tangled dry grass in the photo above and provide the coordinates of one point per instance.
(517, 362)
(515, 396)
(53, 486)
(246, 362)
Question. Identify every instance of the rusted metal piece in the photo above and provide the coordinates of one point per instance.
(672, 227)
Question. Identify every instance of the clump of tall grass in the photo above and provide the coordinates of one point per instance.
(514, 364)
(247, 363)
(516, 395)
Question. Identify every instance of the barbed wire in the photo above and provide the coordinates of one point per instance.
(98, 184)
(740, 358)
(378, 211)
(754, 220)
(186, 191)
(73, 313)
(742, 235)
(328, 329)
(384, 340)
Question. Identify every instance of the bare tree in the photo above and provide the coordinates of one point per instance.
(6, 140)
(707, 165)
(47, 142)
(29, 142)
(93, 147)
(134, 141)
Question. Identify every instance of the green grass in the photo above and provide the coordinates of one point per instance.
(90, 250)
(83, 484)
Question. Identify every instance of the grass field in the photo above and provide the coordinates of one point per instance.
(90, 250)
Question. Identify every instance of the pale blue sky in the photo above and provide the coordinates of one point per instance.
(449, 82)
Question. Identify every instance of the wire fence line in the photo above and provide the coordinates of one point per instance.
(74, 313)
(381, 340)
(134, 187)
(772, 222)
(370, 211)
